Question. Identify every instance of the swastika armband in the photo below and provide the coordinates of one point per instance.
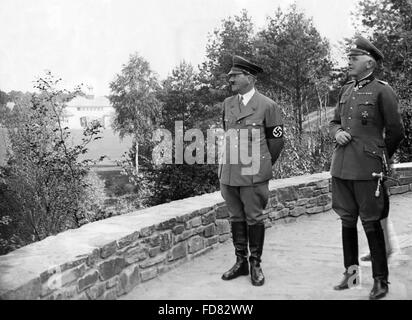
(274, 132)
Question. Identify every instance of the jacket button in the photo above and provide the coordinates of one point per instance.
(349, 118)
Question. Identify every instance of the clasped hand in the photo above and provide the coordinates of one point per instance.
(342, 137)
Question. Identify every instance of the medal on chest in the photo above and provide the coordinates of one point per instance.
(365, 116)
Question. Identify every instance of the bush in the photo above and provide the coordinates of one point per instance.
(44, 187)
(303, 153)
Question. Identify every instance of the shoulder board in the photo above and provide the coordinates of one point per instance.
(383, 82)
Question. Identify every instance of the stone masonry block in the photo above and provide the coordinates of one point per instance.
(210, 230)
(302, 202)
(325, 190)
(153, 261)
(195, 244)
(148, 274)
(199, 230)
(316, 192)
(109, 295)
(281, 213)
(287, 194)
(399, 189)
(112, 282)
(290, 204)
(178, 251)
(314, 210)
(128, 279)
(88, 280)
(224, 237)
(147, 232)
(223, 226)
(211, 241)
(405, 180)
(298, 211)
(209, 218)
(323, 199)
(96, 291)
(166, 225)
(165, 240)
(154, 240)
(108, 250)
(322, 184)
(111, 267)
(128, 240)
(273, 202)
(327, 207)
(153, 252)
(135, 254)
(178, 229)
(306, 192)
(93, 258)
(185, 235)
(195, 222)
(222, 212)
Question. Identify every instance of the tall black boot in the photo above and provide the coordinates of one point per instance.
(380, 272)
(350, 257)
(240, 240)
(256, 240)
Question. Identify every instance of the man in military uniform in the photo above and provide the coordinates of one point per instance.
(254, 123)
(367, 127)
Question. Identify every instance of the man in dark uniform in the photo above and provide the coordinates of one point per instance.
(367, 127)
(253, 123)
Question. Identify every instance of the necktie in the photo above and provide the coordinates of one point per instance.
(241, 104)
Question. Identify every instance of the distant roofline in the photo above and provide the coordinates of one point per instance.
(89, 101)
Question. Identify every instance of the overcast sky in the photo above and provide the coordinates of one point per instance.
(89, 40)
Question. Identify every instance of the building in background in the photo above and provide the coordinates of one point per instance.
(81, 111)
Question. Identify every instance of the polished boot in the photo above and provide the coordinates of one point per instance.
(240, 240)
(256, 240)
(379, 290)
(350, 257)
(380, 272)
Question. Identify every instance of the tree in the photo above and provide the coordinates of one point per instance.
(389, 25)
(44, 187)
(296, 59)
(182, 100)
(234, 37)
(133, 96)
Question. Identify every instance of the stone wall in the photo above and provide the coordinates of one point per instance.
(108, 258)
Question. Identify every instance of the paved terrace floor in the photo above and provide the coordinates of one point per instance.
(302, 259)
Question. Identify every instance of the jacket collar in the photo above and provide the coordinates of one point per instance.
(246, 110)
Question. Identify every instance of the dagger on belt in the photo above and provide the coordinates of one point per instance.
(382, 176)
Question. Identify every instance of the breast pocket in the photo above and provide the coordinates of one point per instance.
(366, 110)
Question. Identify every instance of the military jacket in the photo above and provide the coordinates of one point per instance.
(369, 112)
(262, 114)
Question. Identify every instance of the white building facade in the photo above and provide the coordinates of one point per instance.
(81, 111)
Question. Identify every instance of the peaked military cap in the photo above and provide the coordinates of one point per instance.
(241, 65)
(365, 47)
